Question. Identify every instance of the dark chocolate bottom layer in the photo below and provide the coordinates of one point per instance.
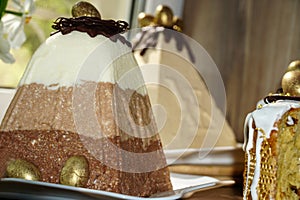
(49, 150)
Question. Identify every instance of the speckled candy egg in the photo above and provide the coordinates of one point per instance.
(22, 169)
(84, 8)
(75, 172)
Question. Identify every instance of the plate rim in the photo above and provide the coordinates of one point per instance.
(179, 152)
(84, 190)
(102, 192)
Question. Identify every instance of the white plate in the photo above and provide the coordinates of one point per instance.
(217, 156)
(24, 189)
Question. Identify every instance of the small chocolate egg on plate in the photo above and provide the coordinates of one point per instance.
(75, 171)
(22, 169)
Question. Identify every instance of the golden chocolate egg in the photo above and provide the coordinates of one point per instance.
(295, 65)
(177, 23)
(83, 8)
(145, 20)
(75, 172)
(22, 169)
(164, 16)
(290, 83)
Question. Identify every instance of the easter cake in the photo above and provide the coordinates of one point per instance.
(272, 143)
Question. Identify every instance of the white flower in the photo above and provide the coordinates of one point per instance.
(14, 24)
(5, 48)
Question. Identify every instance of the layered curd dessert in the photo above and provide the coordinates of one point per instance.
(81, 115)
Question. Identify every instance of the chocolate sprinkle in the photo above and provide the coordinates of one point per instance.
(93, 26)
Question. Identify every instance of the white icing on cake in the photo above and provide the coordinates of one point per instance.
(264, 119)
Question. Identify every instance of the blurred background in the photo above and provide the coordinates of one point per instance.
(251, 41)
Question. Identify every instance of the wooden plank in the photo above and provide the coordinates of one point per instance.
(251, 41)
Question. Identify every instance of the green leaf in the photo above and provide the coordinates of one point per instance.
(3, 4)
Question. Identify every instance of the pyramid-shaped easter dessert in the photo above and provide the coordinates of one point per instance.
(81, 115)
(184, 81)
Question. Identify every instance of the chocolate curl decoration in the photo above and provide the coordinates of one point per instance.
(86, 18)
(93, 26)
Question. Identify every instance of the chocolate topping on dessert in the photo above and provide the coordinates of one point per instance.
(92, 25)
(95, 133)
(86, 18)
(274, 98)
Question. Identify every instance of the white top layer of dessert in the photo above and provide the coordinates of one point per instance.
(264, 118)
(65, 60)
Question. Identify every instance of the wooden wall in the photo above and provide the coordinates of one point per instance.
(251, 41)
